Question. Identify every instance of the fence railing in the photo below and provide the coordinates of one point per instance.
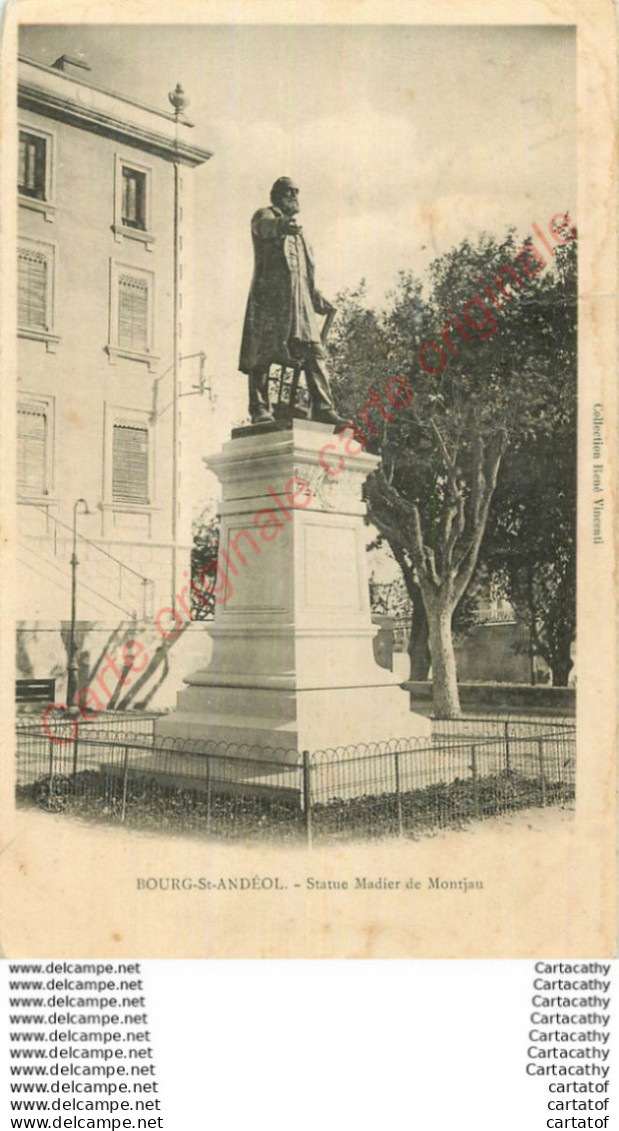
(59, 725)
(469, 770)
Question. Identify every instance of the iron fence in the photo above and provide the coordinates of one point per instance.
(405, 788)
(469, 769)
(61, 726)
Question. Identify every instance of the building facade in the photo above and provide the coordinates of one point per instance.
(105, 294)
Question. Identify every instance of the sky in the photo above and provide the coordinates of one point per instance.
(403, 141)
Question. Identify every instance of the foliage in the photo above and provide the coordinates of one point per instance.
(502, 389)
(204, 566)
(390, 599)
(148, 803)
(442, 805)
(532, 531)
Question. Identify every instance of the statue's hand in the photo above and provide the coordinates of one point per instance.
(292, 228)
(321, 304)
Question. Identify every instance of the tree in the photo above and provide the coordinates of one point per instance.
(531, 538)
(532, 547)
(204, 566)
(461, 376)
(532, 543)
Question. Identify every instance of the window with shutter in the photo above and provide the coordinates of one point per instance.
(131, 324)
(133, 313)
(32, 430)
(32, 292)
(31, 179)
(133, 186)
(130, 464)
(133, 204)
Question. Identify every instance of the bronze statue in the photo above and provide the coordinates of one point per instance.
(281, 325)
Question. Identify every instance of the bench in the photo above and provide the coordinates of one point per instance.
(35, 690)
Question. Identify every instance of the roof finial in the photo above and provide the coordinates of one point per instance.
(178, 99)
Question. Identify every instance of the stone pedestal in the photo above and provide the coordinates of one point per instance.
(292, 665)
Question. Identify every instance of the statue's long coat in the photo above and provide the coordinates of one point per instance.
(267, 318)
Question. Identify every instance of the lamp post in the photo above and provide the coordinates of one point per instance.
(179, 101)
(72, 665)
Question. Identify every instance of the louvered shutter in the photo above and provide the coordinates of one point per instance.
(32, 289)
(31, 450)
(31, 170)
(129, 203)
(133, 313)
(22, 171)
(130, 464)
(133, 203)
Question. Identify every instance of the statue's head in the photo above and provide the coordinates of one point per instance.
(285, 195)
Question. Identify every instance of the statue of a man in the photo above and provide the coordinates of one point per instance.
(281, 325)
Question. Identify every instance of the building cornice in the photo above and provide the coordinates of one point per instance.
(101, 119)
(83, 81)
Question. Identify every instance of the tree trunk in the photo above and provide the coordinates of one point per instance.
(418, 649)
(561, 669)
(445, 685)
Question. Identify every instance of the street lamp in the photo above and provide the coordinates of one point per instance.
(179, 101)
(72, 666)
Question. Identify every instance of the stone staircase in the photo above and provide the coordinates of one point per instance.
(108, 588)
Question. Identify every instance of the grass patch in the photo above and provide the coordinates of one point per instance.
(148, 804)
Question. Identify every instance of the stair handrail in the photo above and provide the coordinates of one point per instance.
(130, 613)
(82, 538)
